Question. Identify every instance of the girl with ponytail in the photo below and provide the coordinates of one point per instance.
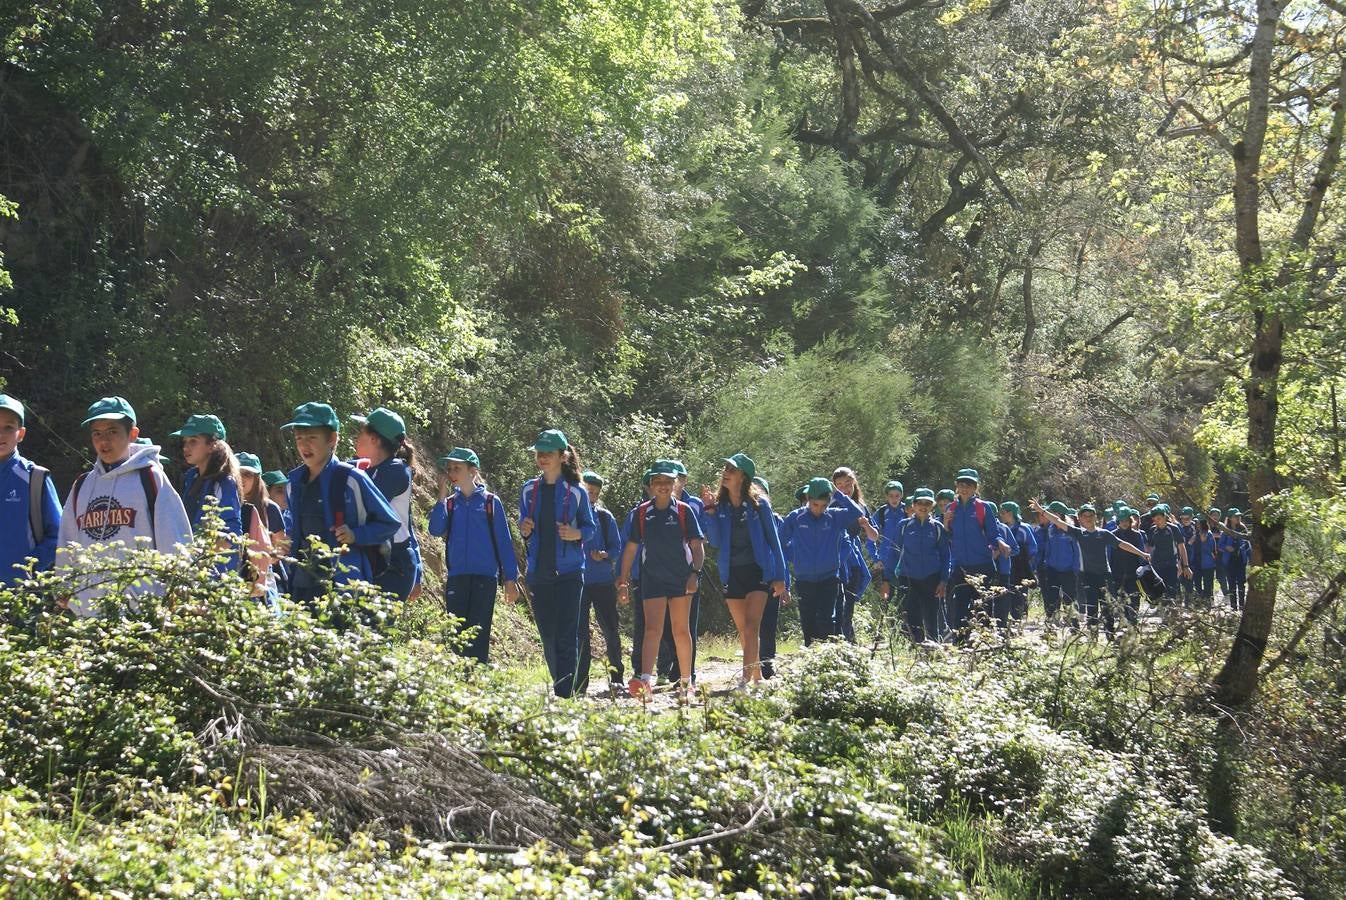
(383, 441)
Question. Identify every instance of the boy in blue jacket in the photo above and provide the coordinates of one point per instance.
(816, 536)
(32, 523)
(974, 537)
(922, 566)
(600, 592)
(478, 549)
(332, 503)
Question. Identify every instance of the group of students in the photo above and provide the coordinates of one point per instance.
(271, 525)
(941, 559)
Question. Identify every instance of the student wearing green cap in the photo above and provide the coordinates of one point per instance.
(1061, 561)
(942, 501)
(855, 575)
(750, 560)
(1236, 551)
(383, 441)
(211, 480)
(31, 526)
(666, 535)
(332, 503)
(478, 549)
(817, 540)
(124, 497)
(264, 515)
(974, 537)
(555, 520)
(886, 517)
(921, 544)
(1128, 582)
(599, 600)
(1168, 550)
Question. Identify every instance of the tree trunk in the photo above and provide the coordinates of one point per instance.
(1237, 680)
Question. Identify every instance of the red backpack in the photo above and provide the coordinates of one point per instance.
(644, 508)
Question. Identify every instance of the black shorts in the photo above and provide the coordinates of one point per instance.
(744, 580)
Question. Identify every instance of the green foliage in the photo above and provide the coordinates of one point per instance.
(809, 413)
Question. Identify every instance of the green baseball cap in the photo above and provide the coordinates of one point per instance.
(202, 424)
(1234, 511)
(149, 442)
(461, 455)
(383, 421)
(946, 494)
(274, 477)
(1010, 506)
(1089, 508)
(995, 510)
(110, 408)
(818, 488)
(1118, 505)
(801, 493)
(968, 475)
(313, 415)
(1215, 511)
(592, 477)
(549, 440)
(249, 462)
(661, 467)
(677, 465)
(1152, 498)
(9, 403)
(894, 486)
(1161, 509)
(743, 463)
(1188, 511)
(923, 494)
(1056, 507)
(762, 483)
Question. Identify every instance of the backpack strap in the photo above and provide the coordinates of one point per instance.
(336, 494)
(151, 488)
(37, 482)
(448, 530)
(682, 519)
(640, 518)
(490, 529)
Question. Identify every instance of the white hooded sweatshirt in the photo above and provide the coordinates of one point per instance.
(110, 506)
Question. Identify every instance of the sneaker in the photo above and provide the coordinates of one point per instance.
(743, 685)
(686, 694)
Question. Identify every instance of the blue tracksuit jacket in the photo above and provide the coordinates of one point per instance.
(366, 513)
(17, 541)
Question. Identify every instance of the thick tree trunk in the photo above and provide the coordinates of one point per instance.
(1237, 680)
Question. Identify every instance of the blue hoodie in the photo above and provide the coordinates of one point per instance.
(16, 532)
(970, 538)
(766, 548)
(366, 513)
(1028, 542)
(920, 549)
(1062, 553)
(572, 508)
(470, 549)
(817, 542)
(607, 539)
